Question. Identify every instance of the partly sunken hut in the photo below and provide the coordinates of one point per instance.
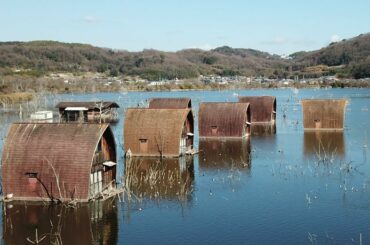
(99, 111)
(58, 161)
(158, 132)
(170, 103)
(263, 108)
(324, 114)
(224, 119)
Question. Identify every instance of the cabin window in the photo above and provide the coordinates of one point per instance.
(96, 183)
(143, 145)
(214, 130)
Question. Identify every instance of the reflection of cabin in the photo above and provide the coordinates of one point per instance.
(322, 144)
(158, 132)
(99, 111)
(224, 119)
(153, 178)
(94, 224)
(323, 114)
(170, 103)
(263, 129)
(215, 154)
(58, 161)
(263, 108)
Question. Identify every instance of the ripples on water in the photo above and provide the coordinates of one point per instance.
(281, 186)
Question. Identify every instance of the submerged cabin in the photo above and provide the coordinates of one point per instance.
(58, 161)
(324, 114)
(170, 103)
(224, 119)
(263, 108)
(158, 132)
(93, 111)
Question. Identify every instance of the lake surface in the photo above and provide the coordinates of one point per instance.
(287, 187)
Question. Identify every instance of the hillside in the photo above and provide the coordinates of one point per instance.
(47, 56)
(348, 58)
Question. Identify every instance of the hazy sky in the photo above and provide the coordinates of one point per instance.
(280, 27)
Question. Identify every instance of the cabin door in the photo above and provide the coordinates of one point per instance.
(214, 131)
(317, 123)
(143, 146)
(182, 146)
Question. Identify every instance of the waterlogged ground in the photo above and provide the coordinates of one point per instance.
(285, 188)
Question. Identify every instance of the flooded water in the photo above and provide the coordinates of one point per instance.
(280, 186)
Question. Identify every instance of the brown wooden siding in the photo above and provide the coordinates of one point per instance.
(224, 119)
(155, 132)
(263, 108)
(170, 103)
(38, 149)
(324, 114)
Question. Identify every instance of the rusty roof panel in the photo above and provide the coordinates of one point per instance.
(88, 104)
(170, 103)
(263, 108)
(161, 129)
(223, 119)
(324, 114)
(42, 148)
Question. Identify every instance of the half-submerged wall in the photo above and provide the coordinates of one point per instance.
(224, 119)
(324, 114)
(263, 108)
(158, 132)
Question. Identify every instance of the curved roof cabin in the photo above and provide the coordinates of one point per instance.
(158, 132)
(88, 111)
(224, 119)
(324, 114)
(263, 108)
(170, 103)
(43, 161)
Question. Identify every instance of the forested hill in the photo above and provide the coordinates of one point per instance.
(352, 55)
(40, 57)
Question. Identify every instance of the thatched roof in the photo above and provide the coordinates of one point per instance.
(228, 118)
(262, 107)
(324, 114)
(91, 105)
(162, 128)
(170, 103)
(40, 147)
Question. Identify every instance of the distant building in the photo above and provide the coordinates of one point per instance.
(158, 132)
(324, 114)
(48, 161)
(170, 103)
(263, 108)
(90, 111)
(224, 119)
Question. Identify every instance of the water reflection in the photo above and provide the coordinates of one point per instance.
(224, 154)
(154, 178)
(263, 129)
(323, 144)
(95, 223)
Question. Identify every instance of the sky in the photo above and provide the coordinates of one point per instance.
(275, 26)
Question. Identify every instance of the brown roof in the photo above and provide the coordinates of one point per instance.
(262, 107)
(229, 118)
(162, 128)
(88, 104)
(38, 147)
(324, 114)
(170, 103)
